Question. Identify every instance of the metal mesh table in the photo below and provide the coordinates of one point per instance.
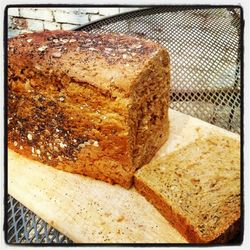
(204, 46)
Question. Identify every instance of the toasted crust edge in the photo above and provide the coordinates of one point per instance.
(180, 222)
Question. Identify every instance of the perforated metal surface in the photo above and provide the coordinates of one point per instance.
(204, 51)
(205, 69)
(25, 227)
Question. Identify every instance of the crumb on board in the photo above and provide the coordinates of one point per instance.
(198, 129)
(120, 218)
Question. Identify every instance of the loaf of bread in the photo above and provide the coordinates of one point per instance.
(197, 189)
(92, 104)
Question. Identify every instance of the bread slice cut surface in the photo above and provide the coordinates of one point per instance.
(197, 188)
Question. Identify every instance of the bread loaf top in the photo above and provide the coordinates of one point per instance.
(107, 61)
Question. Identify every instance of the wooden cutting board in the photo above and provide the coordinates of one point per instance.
(91, 211)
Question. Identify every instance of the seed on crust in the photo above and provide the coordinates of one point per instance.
(42, 48)
(57, 54)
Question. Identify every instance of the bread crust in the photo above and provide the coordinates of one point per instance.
(107, 61)
(78, 101)
(176, 220)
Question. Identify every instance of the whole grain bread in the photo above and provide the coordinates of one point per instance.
(197, 188)
(92, 104)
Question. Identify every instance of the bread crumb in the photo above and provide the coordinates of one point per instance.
(195, 180)
(107, 214)
(120, 218)
(163, 168)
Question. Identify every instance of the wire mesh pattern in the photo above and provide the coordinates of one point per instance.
(204, 47)
(204, 51)
(25, 227)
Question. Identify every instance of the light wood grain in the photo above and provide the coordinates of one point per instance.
(91, 211)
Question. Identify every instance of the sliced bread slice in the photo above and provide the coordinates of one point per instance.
(197, 188)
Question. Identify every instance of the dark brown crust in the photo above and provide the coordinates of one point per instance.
(76, 53)
(78, 168)
(53, 74)
(180, 222)
(230, 234)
